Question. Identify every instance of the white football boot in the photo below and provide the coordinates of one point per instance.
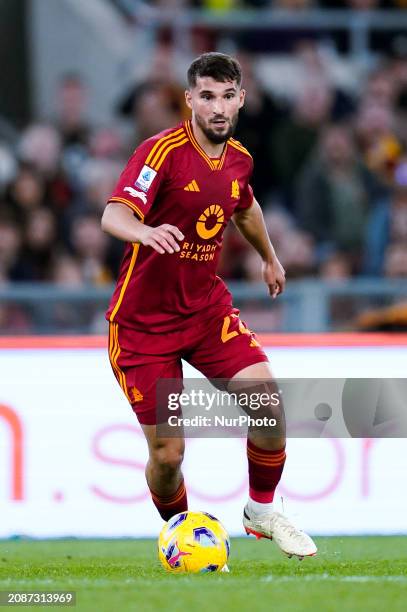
(277, 527)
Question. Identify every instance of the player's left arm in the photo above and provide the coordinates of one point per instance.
(250, 223)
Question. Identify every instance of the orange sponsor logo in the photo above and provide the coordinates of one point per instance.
(210, 222)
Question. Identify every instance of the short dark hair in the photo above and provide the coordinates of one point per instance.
(220, 67)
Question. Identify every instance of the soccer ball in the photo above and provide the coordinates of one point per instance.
(193, 542)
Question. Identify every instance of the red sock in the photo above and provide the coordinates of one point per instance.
(172, 504)
(265, 469)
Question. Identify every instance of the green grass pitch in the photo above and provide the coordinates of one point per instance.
(349, 574)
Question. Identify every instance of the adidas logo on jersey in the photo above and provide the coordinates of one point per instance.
(192, 186)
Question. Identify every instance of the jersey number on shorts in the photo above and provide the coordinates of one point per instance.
(227, 335)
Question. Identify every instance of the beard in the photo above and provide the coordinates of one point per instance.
(216, 137)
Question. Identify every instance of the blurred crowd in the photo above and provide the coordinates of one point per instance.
(225, 5)
(330, 174)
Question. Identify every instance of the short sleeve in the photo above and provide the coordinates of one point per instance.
(246, 198)
(140, 180)
(246, 192)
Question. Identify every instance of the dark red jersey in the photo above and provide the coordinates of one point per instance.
(170, 179)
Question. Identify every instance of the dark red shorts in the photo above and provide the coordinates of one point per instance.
(219, 348)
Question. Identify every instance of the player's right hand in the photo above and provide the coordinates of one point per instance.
(162, 239)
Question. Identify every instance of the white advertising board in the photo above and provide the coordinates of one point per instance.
(72, 455)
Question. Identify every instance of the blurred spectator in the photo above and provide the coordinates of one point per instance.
(395, 261)
(10, 241)
(233, 255)
(401, 114)
(335, 266)
(67, 274)
(398, 65)
(297, 136)
(335, 188)
(323, 183)
(237, 259)
(313, 69)
(39, 244)
(297, 254)
(106, 143)
(99, 179)
(157, 102)
(258, 120)
(363, 5)
(71, 110)
(379, 89)
(26, 193)
(398, 70)
(386, 232)
(156, 107)
(377, 139)
(295, 247)
(66, 271)
(72, 120)
(90, 247)
(40, 146)
(41, 151)
(8, 167)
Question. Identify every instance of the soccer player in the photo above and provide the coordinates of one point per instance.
(171, 205)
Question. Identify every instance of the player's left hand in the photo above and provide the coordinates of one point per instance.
(274, 276)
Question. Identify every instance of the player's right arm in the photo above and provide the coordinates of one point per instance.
(136, 192)
(120, 222)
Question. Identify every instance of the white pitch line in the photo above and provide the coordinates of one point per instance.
(185, 579)
(329, 578)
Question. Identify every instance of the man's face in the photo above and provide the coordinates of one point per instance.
(215, 107)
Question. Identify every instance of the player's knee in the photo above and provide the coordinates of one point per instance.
(267, 442)
(167, 457)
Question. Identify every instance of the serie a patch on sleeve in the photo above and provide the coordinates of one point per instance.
(145, 178)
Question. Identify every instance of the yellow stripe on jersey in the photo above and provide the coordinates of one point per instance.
(114, 356)
(222, 159)
(136, 248)
(134, 207)
(214, 164)
(159, 143)
(236, 144)
(154, 162)
(113, 350)
(197, 146)
(121, 373)
(167, 150)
